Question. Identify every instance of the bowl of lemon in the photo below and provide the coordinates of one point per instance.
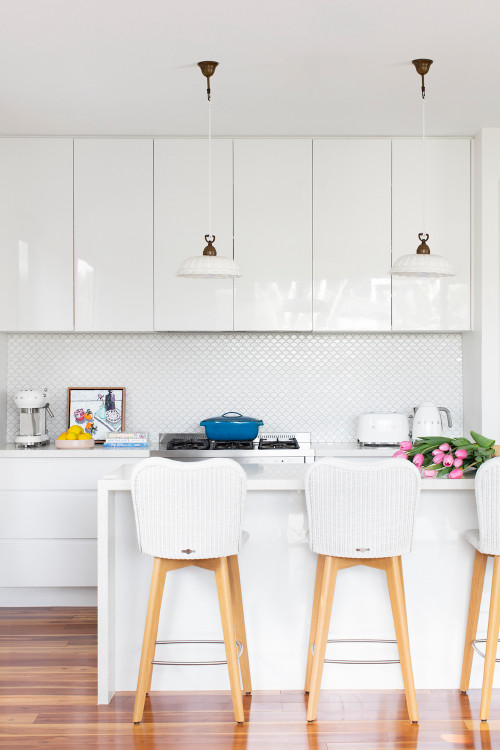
(75, 438)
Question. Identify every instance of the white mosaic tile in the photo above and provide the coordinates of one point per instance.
(317, 383)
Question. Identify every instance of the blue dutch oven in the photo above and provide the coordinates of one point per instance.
(231, 426)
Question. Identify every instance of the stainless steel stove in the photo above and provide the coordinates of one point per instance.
(266, 448)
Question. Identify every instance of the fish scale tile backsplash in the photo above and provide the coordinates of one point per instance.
(317, 383)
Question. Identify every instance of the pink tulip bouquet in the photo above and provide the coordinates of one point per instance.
(447, 457)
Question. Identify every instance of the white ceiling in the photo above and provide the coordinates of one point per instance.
(287, 67)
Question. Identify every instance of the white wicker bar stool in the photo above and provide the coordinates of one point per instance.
(359, 516)
(190, 514)
(486, 542)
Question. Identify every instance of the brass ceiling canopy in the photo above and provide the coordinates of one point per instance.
(208, 69)
(422, 66)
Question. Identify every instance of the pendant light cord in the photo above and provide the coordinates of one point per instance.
(423, 167)
(210, 169)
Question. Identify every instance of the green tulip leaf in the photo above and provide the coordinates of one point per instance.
(482, 441)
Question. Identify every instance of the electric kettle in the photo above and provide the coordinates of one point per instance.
(427, 420)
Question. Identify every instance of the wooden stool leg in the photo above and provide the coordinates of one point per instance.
(491, 641)
(314, 619)
(239, 621)
(160, 568)
(394, 572)
(227, 618)
(476, 591)
(324, 614)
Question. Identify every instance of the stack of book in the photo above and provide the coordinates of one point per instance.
(126, 440)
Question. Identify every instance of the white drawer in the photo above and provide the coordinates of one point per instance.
(57, 473)
(56, 514)
(36, 562)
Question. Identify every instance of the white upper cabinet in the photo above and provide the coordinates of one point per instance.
(273, 234)
(181, 223)
(113, 234)
(352, 235)
(36, 234)
(432, 304)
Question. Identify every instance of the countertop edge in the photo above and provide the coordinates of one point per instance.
(9, 450)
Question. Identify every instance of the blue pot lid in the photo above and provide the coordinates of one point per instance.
(232, 416)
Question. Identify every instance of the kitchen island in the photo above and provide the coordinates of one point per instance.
(277, 572)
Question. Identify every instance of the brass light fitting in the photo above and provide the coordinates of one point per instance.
(208, 69)
(422, 66)
(210, 249)
(423, 248)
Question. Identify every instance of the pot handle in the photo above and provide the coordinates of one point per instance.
(232, 412)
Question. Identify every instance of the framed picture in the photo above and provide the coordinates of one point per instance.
(97, 410)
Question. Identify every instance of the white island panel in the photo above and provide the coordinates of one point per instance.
(277, 571)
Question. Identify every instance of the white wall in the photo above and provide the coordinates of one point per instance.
(3, 383)
(481, 346)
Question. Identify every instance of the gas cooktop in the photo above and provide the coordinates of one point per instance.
(192, 443)
(278, 443)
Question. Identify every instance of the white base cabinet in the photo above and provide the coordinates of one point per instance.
(48, 529)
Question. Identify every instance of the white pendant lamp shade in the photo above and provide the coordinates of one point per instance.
(209, 267)
(422, 265)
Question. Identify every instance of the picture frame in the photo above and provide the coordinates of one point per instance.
(97, 410)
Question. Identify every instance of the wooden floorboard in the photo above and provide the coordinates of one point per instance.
(48, 673)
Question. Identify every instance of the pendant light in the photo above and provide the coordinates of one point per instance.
(422, 263)
(209, 265)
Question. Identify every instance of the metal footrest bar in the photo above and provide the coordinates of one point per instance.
(478, 651)
(193, 663)
(360, 661)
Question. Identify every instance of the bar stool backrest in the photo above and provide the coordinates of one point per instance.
(487, 486)
(188, 510)
(362, 510)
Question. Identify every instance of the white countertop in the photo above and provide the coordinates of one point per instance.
(324, 450)
(278, 477)
(10, 450)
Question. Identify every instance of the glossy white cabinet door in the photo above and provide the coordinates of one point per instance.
(432, 304)
(273, 234)
(352, 234)
(181, 223)
(114, 234)
(36, 234)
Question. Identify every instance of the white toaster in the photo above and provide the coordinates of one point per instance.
(383, 429)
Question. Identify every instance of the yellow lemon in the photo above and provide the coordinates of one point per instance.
(63, 436)
(84, 436)
(76, 429)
